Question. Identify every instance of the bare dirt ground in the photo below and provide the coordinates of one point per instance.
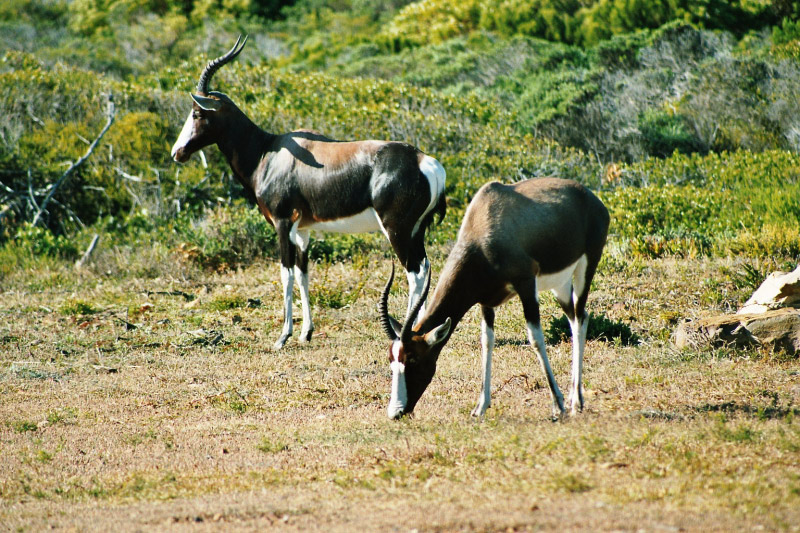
(158, 404)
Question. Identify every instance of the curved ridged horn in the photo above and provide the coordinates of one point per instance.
(405, 334)
(213, 66)
(383, 307)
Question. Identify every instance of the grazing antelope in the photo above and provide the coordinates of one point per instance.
(302, 181)
(521, 239)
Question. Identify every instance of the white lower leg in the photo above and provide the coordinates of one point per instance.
(579, 329)
(487, 347)
(287, 279)
(308, 324)
(536, 338)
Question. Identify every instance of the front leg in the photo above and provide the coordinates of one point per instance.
(487, 347)
(301, 239)
(579, 329)
(287, 248)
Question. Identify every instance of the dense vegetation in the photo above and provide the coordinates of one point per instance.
(682, 114)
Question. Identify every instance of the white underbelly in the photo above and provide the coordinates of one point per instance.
(364, 222)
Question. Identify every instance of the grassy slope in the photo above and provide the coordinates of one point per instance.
(191, 416)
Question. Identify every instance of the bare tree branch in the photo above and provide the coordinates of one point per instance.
(87, 254)
(110, 113)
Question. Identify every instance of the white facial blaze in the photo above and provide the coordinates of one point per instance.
(186, 135)
(399, 396)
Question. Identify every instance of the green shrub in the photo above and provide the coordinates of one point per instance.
(664, 134)
(787, 32)
(620, 51)
(728, 203)
(23, 426)
(569, 21)
(228, 236)
(430, 21)
(668, 210)
(768, 241)
(78, 308)
(46, 117)
(39, 241)
(270, 446)
(600, 327)
(332, 247)
(227, 302)
(334, 294)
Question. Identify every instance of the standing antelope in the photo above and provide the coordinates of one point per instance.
(535, 235)
(303, 181)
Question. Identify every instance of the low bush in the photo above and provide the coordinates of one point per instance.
(39, 241)
(600, 328)
(78, 307)
(227, 237)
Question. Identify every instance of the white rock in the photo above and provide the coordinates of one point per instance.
(780, 289)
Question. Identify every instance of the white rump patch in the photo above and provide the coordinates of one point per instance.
(436, 175)
(562, 283)
(564, 278)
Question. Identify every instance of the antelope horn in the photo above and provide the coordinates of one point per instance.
(213, 66)
(390, 325)
(405, 334)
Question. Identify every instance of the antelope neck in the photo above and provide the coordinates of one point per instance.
(244, 149)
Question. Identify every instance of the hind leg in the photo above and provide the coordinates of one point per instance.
(572, 299)
(284, 229)
(530, 305)
(301, 239)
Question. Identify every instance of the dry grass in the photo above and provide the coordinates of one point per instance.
(158, 403)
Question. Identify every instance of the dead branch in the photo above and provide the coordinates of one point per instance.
(127, 176)
(110, 113)
(87, 254)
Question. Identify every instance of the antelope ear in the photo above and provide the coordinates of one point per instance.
(208, 104)
(396, 326)
(439, 334)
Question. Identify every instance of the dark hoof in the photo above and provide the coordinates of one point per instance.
(281, 341)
